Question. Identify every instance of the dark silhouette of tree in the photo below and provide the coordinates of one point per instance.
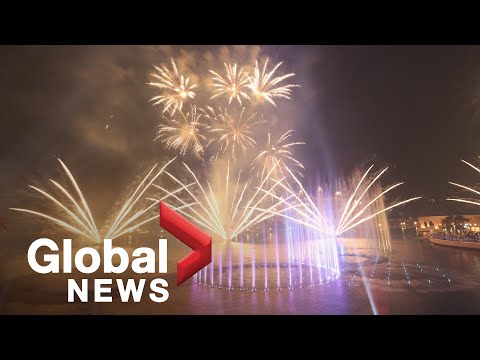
(3, 226)
(457, 220)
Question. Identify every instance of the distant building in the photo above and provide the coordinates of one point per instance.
(439, 222)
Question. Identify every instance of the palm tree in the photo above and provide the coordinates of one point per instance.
(456, 221)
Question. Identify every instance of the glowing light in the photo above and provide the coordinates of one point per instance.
(76, 217)
(183, 132)
(265, 86)
(229, 202)
(466, 188)
(232, 85)
(175, 88)
(312, 216)
(228, 207)
(277, 152)
(233, 133)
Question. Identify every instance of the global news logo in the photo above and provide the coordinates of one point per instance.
(143, 260)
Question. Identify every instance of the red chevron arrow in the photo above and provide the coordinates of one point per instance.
(193, 237)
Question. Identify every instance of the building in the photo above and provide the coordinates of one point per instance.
(437, 222)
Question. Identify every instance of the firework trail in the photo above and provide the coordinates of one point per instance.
(76, 216)
(265, 86)
(227, 207)
(232, 85)
(311, 215)
(183, 132)
(277, 152)
(175, 88)
(233, 133)
(352, 214)
(466, 188)
(235, 137)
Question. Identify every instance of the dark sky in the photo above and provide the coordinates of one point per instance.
(411, 107)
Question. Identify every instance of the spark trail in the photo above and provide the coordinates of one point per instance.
(313, 216)
(234, 84)
(466, 201)
(278, 151)
(266, 86)
(232, 132)
(176, 88)
(75, 215)
(227, 207)
(183, 133)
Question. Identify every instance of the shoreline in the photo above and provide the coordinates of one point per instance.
(457, 244)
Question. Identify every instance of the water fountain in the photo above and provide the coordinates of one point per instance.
(283, 253)
(274, 255)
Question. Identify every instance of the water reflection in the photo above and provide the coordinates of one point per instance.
(413, 278)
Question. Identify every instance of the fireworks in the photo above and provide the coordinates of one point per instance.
(228, 209)
(76, 216)
(233, 85)
(277, 152)
(266, 87)
(176, 89)
(466, 188)
(234, 133)
(351, 218)
(242, 186)
(311, 215)
(183, 132)
(215, 207)
(228, 201)
(225, 207)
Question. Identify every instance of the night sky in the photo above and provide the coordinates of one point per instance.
(414, 108)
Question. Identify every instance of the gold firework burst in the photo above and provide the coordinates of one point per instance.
(277, 152)
(232, 85)
(265, 86)
(233, 133)
(183, 132)
(176, 88)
